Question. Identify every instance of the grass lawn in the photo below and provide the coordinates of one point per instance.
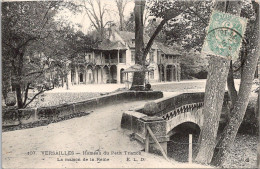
(51, 99)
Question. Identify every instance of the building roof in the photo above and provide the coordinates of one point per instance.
(128, 37)
(136, 68)
(108, 45)
(173, 50)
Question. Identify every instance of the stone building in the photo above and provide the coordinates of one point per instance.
(106, 63)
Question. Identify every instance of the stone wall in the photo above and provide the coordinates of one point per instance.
(12, 117)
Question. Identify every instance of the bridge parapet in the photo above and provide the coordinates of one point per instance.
(186, 107)
(178, 104)
(182, 109)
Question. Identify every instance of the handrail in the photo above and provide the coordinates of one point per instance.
(182, 109)
(170, 107)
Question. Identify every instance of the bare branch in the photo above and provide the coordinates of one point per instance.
(26, 93)
(40, 92)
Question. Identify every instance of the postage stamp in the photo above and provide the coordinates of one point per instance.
(224, 35)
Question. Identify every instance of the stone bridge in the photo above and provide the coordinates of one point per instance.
(173, 111)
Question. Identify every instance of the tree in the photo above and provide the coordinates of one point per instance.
(121, 4)
(27, 29)
(130, 23)
(96, 13)
(138, 78)
(214, 94)
(188, 30)
(219, 68)
(19, 33)
(174, 9)
(69, 48)
(193, 65)
(151, 27)
(240, 105)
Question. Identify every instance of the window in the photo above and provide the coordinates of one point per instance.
(151, 56)
(132, 55)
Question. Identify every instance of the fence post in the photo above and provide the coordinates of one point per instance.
(147, 141)
(190, 148)
(158, 144)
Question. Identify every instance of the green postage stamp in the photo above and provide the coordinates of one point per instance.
(224, 35)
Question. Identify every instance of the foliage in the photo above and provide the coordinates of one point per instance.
(188, 27)
(130, 23)
(33, 46)
(151, 27)
(193, 65)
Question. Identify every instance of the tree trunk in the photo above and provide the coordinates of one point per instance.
(156, 32)
(6, 80)
(18, 84)
(231, 86)
(122, 23)
(232, 92)
(138, 78)
(214, 94)
(19, 96)
(62, 81)
(213, 101)
(67, 82)
(238, 112)
(258, 118)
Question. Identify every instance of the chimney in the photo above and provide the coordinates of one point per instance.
(112, 30)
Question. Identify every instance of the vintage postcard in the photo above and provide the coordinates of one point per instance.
(130, 84)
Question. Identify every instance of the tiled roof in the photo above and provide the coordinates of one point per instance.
(136, 68)
(108, 45)
(169, 50)
(128, 37)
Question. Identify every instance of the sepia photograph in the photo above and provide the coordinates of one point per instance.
(130, 84)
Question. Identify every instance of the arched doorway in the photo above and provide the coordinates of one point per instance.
(81, 79)
(168, 73)
(113, 74)
(89, 74)
(106, 74)
(122, 76)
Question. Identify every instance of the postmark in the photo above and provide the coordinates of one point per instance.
(224, 35)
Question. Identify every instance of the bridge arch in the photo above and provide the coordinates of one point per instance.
(194, 116)
(186, 127)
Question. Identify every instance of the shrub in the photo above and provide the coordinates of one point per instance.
(10, 99)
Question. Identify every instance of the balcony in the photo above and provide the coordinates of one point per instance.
(105, 61)
(111, 61)
(90, 60)
(122, 60)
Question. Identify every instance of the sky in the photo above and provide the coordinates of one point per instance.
(111, 15)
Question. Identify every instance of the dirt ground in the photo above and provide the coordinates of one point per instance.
(99, 131)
